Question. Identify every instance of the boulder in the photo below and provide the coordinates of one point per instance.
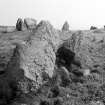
(30, 23)
(93, 28)
(86, 72)
(29, 63)
(65, 26)
(20, 26)
(38, 56)
(45, 31)
(35, 59)
(89, 47)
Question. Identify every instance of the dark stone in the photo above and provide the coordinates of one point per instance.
(93, 28)
(20, 26)
(44, 103)
(66, 57)
(30, 23)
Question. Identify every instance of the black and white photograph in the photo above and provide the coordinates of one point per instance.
(52, 52)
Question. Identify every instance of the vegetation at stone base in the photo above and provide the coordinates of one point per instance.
(56, 92)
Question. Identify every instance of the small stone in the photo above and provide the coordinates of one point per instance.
(86, 72)
(30, 23)
(20, 26)
(65, 26)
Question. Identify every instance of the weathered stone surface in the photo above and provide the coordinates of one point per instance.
(65, 26)
(45, 31)
(20, 26)
(35, 59)
(30, 23)
(74, 41)
(66, 57)
(38, 56)
(89, 47)
(28, 62)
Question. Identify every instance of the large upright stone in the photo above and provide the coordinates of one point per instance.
(34, 58)
(65, 26)
(30, 23)
(30, 62)
(20, 26)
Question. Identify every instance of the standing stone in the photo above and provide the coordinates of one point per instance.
(65, 26)
(33, 59)
(89, 46)
(30, 23)
(20, 26)
(45, 31)
(27, 63)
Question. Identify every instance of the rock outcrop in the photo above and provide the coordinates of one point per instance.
(30, 23)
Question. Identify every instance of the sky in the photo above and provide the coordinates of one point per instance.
(80, 14)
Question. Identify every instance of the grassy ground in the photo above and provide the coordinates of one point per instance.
(68, 90)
